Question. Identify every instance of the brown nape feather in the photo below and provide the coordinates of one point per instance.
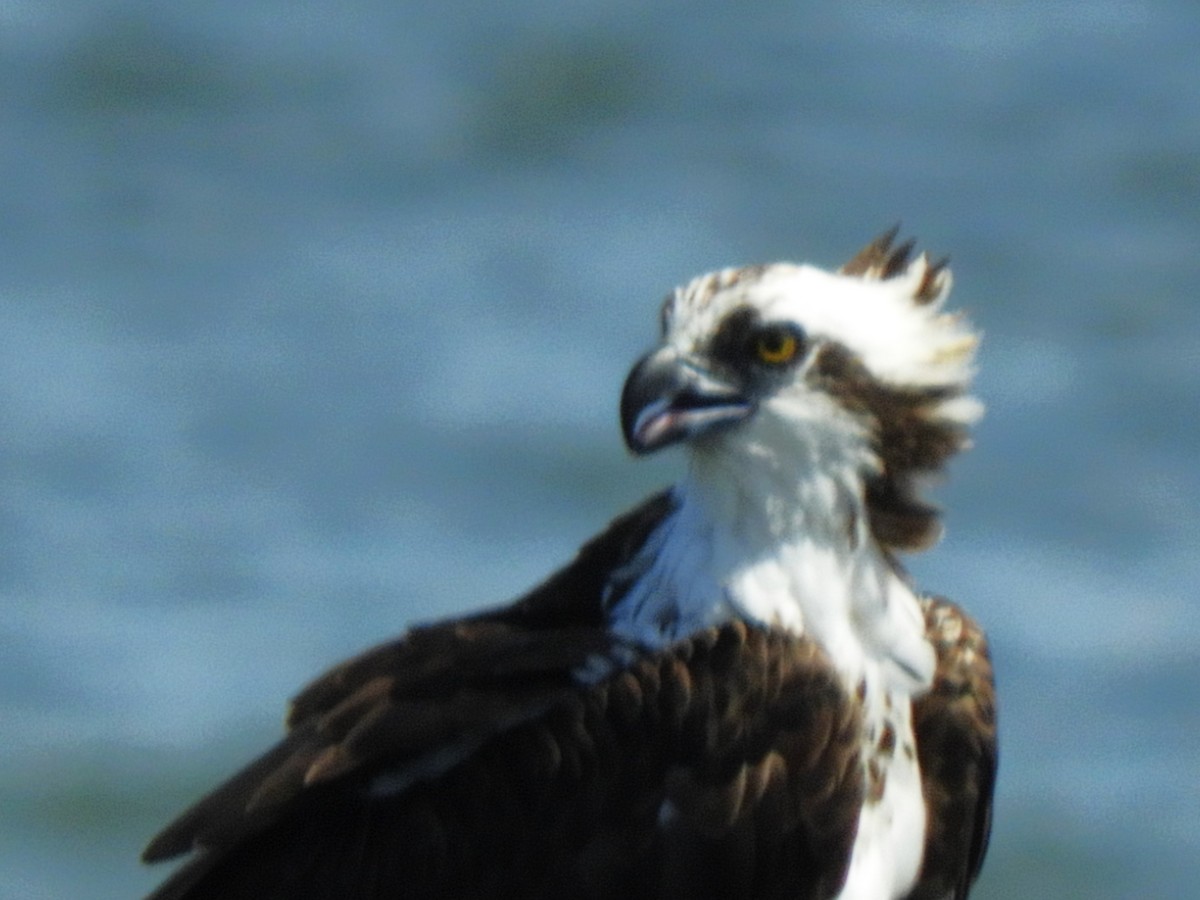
(930, 287)
(727, 767)
(909, 439)
(955, 728)
(879, 260)
(874, 256)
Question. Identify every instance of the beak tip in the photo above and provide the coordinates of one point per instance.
(645, 427)
(668, 399)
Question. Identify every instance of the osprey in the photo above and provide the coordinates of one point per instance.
(732, 691)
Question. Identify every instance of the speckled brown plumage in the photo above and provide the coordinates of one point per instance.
(955, 729)
(530, 784)
(726, 766)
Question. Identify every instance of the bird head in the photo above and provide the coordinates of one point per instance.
(800, 371)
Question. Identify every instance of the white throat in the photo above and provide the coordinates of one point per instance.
(748, 542)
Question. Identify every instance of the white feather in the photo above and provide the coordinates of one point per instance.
(900, 341)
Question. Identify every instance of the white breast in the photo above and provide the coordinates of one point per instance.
(890, 843)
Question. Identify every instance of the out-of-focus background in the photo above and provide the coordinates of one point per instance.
(313, 317)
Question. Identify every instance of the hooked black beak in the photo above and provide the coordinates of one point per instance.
(670, 398)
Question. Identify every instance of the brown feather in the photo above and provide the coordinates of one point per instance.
(908, 437)
(437, 656)
(744, 733)
(873, 257)
(468, 759)
(879, 260)
(955, 729)
(930, 287)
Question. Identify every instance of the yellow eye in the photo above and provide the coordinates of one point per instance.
(776, 347)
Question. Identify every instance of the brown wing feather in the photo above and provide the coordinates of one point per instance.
(526, 752)
(571, 597)
(428, 663)
(725, 767)
(955, 727)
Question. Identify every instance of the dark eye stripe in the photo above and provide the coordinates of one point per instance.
(734, 340)
(743, 340)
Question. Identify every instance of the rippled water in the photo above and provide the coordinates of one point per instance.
(312, 320)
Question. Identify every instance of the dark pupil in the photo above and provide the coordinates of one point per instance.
(773, 341)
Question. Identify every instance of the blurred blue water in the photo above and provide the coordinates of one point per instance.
(305, 305)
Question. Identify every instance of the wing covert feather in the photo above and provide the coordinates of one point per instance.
(691, 772)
